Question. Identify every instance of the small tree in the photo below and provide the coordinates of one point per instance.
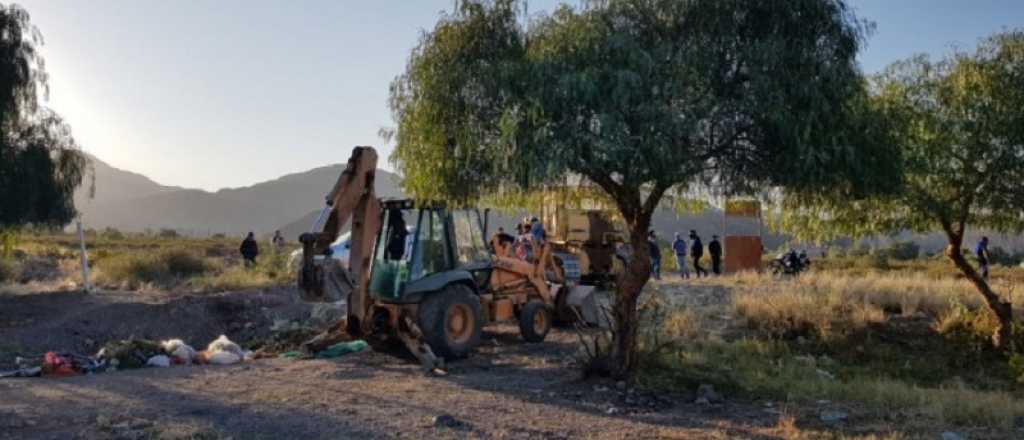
(960, 129)
(40, 165)
(640, 98)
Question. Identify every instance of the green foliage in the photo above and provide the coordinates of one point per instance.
(40, 164)
(8, 238)
(10, 270)
(635, 95)
(639, 98)
(959, 125)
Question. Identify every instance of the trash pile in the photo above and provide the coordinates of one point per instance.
(130, 354)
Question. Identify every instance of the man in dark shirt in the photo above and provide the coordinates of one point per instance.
(715, 249)
(249, 249)
(652, 243)
(696, 252)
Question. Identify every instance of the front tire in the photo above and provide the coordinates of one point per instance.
(451, 322)
(534, 321)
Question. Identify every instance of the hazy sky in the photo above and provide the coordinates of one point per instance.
(223, 93)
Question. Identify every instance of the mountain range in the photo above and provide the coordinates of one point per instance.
(132, 202)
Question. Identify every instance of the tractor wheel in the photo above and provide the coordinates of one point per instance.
(534, 321)
(451, 321)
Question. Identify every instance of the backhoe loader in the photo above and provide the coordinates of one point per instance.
(424, 274)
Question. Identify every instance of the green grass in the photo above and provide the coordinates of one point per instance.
(775, 370)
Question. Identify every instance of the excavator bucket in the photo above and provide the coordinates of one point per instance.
(587, 302)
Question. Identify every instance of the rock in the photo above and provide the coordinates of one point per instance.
(160, 361)
(600, 388)
(950, 435)
(805, 359)
(832, 417)
(447, 421)
(702, 401)
(612, 410)
(620, 385)
(706, 391)
(825, 374)
(327, 314)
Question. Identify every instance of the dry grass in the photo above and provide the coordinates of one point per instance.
(823, 304)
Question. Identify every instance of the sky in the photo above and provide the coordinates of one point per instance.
(226, 93)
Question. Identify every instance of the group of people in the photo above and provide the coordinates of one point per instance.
(681, 249)
(530, 235)
(250, 249)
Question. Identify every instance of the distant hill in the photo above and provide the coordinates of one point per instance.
(132, 202)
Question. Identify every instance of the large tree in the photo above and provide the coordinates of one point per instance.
(959, 124)
(640, 98)
(40, 165)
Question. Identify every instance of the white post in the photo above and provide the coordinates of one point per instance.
(85, 259)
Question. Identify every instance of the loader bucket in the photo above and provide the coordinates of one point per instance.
(587, 301)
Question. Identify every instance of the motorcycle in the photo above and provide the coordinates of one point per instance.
(790, 263)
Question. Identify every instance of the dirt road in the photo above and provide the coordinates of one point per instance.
(507, 390)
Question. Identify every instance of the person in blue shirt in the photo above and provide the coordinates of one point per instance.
(537, 229)
(679, 247)
(981, 251)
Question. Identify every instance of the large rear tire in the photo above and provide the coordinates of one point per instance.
(451, 321)
(534, 321)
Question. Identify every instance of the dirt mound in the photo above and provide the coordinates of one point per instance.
(79, 322)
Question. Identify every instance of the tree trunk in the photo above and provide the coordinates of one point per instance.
(638, 271)
(1002, 310)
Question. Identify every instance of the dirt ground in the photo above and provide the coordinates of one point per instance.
(508, 389)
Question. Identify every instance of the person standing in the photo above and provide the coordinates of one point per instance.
(277, 241)
(249, 249)
(652, 244)
(715, 249)
(538, 232)
(696, 252)
(981, 251)
(679, 247)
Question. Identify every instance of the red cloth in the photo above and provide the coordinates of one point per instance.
(57, 365)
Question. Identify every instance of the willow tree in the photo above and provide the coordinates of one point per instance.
(959, 125)
(40, 165)
(639, 98)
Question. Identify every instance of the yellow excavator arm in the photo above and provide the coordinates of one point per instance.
(352, 198)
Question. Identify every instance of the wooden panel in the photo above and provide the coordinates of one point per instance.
(742, 253)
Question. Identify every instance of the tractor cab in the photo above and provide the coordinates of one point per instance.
(422, 248)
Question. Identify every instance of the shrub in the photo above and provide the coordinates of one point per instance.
(10, 270)
(132, 270)
(112, 234)
(903, 251)
(874, 260)
(181, 263)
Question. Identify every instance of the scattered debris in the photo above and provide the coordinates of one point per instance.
(341, 349)
(825, 374)
(447, 421)
(706, 394)
(22, 372)
(58, 365)
(950, 435)
(832, 417)
(129, 353)
(180, 352)
(160, 361)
